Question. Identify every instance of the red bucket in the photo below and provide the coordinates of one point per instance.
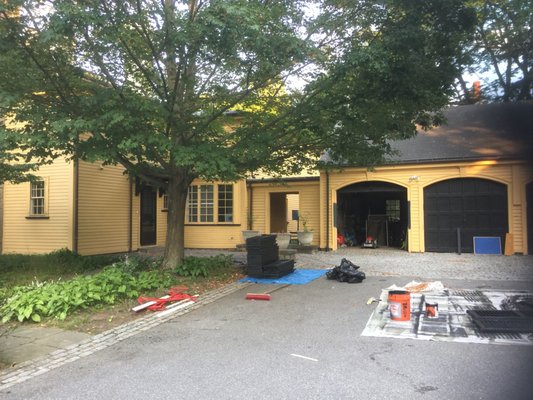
(400, 305)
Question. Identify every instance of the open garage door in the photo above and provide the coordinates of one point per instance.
(478, 207)
(377, 209)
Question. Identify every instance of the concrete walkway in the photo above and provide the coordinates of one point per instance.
(28, 342)
(35, 350)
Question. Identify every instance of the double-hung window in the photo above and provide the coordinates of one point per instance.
(225, 203)
(38, 198)
(210, 203)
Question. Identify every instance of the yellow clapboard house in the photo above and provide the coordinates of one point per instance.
(470, 177)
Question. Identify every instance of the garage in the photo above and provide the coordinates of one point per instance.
(372, 208)
(456, 210)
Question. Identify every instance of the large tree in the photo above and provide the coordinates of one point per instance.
(151, 84)
(502, 50)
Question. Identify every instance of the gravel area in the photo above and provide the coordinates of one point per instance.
(387, 262)
(392, 262)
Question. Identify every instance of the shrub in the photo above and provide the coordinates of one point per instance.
(203, 266)
(135, 263)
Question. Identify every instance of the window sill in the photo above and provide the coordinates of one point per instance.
(37, 217)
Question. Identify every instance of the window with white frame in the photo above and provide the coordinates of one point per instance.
(210, 203)
(206, 203)
(37, 198)
(192, 204)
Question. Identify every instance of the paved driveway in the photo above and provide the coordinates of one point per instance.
(303, 344)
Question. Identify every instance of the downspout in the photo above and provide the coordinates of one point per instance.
(130, 219)
(249, 215)
(327, 211)
(75, 214)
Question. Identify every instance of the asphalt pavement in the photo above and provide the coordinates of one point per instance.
(304, 343)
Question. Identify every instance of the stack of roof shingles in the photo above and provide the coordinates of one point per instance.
(263, 258)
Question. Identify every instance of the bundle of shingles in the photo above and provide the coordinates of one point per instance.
(263, 258)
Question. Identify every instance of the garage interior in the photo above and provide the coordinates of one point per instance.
(377, 209)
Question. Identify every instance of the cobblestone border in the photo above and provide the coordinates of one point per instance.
(57, 358)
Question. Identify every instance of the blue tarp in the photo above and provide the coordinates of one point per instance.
(298, 277)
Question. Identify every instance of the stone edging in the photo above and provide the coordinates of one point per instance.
(55, 359)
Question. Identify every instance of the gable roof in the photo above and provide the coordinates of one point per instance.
(473, 132)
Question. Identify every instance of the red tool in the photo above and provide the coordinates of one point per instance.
(257, 296)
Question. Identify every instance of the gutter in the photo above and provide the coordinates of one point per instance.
(281, 180)
(392, 163)
(75, 206)
(249, 214)
(327, 211)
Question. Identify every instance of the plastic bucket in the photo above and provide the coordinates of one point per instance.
(432, 310)
(400, 305)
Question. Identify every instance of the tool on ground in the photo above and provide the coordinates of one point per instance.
(372, 300)
(263, 296)
(257, 296)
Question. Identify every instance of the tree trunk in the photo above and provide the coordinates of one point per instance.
(175, 243)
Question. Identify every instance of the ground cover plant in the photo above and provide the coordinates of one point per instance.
(89, 287)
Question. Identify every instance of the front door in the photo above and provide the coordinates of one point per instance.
(148, 216)
(278, 212)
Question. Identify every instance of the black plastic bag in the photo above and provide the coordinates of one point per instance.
(346, 272)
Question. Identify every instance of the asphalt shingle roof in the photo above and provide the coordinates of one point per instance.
(473, 132)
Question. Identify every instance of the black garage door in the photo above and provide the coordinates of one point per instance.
(477, 206)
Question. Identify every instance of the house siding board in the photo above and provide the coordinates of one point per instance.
(220, 236)
(309, 204)
(416, 177)
(212, 235)
(103, 209)
(33, 236)
(161, 225)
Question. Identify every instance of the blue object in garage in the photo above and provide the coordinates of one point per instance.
(487, 245)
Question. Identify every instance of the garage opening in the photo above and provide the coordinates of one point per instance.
(456, 210)
(284, 212)
(377, 209)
